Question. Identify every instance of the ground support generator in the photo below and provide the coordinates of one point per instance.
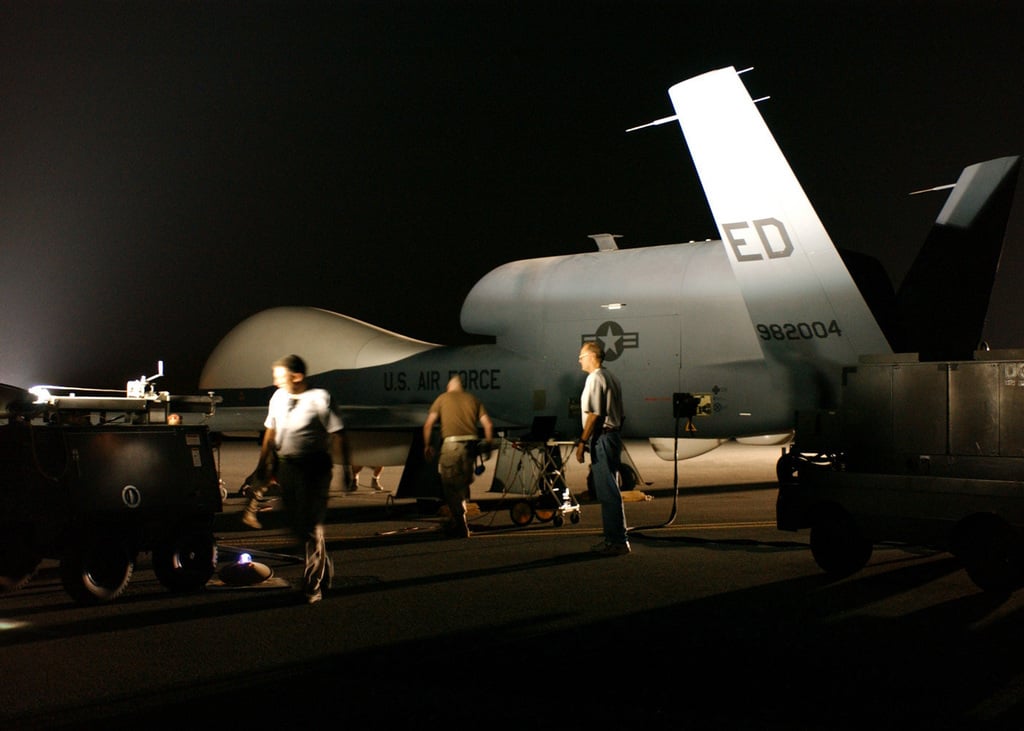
(94, 481)
(926, 453)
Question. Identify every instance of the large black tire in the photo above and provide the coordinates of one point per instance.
(18, 558)
(993, 554)
(186, 562)
(837, 544)
(96, 569)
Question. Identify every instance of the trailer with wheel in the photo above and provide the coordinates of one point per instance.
(93, 481)
(927, 453)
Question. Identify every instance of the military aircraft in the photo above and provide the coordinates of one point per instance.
(710, 339)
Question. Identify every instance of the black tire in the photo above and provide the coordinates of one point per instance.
(992, 555)
(186, 562)
(574, 517)
(558, 521)
(521, 512)
(96, 569)
(837, 544)
(18, 558)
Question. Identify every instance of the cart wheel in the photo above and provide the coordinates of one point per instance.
(544, 514)
(186, 562)
(546, 506)
(18, 559)
(389, 504)
(574, 517)
(558, 521)
(521, 512)
(96, 569)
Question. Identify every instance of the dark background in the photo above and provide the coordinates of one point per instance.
(169, 169)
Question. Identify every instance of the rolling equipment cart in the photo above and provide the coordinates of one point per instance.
(533, 472)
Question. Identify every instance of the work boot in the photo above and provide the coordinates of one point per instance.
(249, 517)
(604, 548)
(351, 481)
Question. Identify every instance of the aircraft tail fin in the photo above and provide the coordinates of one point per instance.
(942, 304)
(802, 301)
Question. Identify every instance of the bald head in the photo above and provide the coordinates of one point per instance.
(594, 347)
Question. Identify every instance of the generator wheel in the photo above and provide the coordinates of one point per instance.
(18, 558)
(521, 512)
(96, 569)
(992, 554)
(837, 544)
(186, 562)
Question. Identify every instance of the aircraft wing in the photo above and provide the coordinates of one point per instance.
(326, 339)
(249, 419)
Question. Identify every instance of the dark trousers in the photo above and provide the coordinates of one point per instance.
(305, 483)
(605, 463)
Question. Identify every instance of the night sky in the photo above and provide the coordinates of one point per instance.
(169, 169)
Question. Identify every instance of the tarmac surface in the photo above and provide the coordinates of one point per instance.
(716, 620)
(365, 512)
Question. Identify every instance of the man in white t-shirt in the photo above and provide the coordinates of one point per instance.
(303, 430)
(601, 407)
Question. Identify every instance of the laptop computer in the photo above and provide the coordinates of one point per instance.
(541, 430)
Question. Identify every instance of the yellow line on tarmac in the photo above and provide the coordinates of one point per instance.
(574, 530)
(722, 526)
